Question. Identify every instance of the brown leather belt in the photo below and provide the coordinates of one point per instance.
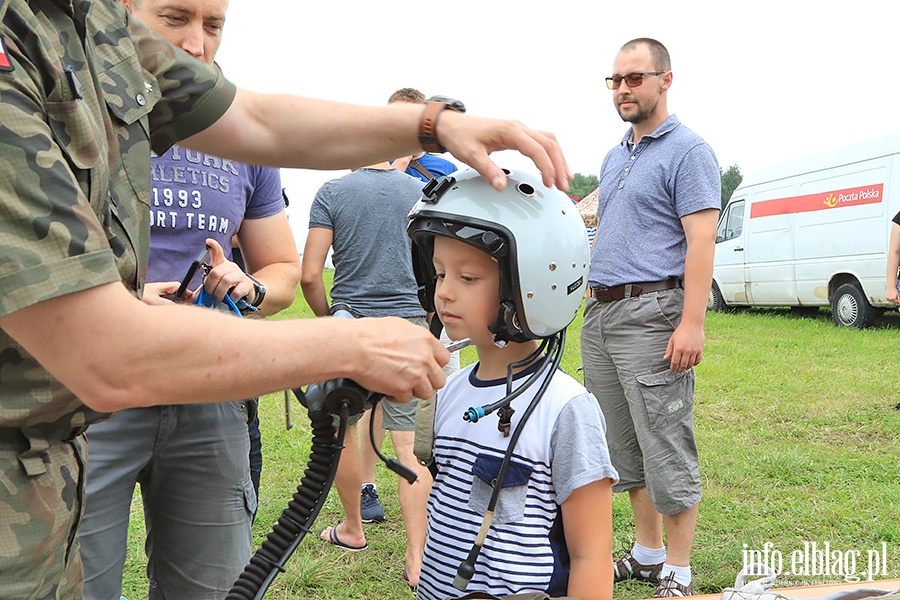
(630, 290)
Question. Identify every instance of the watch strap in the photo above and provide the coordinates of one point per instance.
(428, 127)
(434, 106)
(260, 290)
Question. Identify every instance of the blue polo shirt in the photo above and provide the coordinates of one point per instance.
(436, 165)
(645, 190)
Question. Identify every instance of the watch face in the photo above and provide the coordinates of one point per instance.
(451, 103)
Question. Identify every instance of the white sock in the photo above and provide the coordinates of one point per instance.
(648, 556)
(374, 487)
(682, 574)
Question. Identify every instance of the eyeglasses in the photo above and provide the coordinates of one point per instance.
(632, 80)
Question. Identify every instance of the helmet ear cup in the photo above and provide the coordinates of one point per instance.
(507, 327)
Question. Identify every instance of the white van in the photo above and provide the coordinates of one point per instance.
(813, 232)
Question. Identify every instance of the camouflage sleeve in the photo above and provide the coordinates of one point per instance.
(194, 94)
(51, 242)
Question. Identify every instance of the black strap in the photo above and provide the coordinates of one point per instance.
(436, 326)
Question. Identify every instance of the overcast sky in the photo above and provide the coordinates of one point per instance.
(762, 82)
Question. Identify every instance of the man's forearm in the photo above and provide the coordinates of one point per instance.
(291, 131)
(314, 293)
(281, 281)
(114, 352)
(698, 269)
(297, 132)
(893, 256)
(700, 232)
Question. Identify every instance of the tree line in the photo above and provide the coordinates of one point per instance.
(582, 185)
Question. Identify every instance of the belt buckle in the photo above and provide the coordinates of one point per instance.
(602, 294)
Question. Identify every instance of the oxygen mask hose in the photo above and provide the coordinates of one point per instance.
(341, 397)
(306, 503)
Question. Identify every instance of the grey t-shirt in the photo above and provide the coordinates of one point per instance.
(367, 211)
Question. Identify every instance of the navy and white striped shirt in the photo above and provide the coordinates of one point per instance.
(562, 448)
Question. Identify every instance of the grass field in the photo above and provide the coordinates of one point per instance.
(799, 439)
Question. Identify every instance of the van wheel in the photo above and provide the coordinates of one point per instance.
(849, 308)
(715, 302)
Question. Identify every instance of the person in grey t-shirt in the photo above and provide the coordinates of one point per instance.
(363, 217)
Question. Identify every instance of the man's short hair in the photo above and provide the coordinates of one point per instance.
(661, 60)
(411, 95)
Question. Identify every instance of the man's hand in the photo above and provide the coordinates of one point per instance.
(891, 294)
(685, 347)
(397, 358)
(161, 292)
(472, 139)
(226, 277)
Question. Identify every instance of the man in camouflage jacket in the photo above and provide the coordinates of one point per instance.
(84, 94)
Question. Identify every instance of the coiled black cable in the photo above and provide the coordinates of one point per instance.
(302, 510)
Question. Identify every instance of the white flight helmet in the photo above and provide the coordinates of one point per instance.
(535, 234)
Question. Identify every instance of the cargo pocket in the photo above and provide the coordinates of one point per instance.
(511, 503)
(251, 502)
(667, 396)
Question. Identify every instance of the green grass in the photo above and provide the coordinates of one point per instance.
(799, 442)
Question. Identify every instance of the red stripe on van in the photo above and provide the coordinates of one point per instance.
(867, 194)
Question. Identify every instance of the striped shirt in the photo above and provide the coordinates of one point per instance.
(562, 448)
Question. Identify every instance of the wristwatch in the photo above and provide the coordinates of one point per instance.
(260, 290)
(434, 106)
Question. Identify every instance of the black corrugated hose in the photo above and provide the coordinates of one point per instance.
(304, 507)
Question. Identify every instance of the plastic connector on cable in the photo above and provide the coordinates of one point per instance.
(473, 414)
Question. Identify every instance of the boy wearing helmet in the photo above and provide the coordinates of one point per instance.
(506, 270)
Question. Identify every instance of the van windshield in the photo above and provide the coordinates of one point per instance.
(732, 222)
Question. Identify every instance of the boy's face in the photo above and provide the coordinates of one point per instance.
(467, 290)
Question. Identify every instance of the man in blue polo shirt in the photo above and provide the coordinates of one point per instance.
(651, 270)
